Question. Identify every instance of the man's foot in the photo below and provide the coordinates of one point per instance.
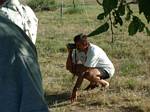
(105, 85)
(91, 86)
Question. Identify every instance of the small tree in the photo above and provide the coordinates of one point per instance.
(114, 10)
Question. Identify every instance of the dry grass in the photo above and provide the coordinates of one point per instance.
(129, 88)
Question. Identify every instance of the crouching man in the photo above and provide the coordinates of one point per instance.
(88, 61)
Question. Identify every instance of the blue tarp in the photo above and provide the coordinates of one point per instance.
(20, 77)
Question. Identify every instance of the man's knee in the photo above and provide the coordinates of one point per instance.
(88, 75)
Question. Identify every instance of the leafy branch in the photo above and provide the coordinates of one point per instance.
(115, 13)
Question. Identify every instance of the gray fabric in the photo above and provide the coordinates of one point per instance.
(20, 77)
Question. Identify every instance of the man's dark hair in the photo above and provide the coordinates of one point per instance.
(80, 37)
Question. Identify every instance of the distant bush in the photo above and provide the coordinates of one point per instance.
(39, 5)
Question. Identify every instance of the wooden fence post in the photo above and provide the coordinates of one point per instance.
(61, 8)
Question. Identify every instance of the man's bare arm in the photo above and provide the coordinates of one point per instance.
(76, 87)
(69, 63)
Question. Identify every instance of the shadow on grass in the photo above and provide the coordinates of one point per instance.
(132, 109)
(58, 99)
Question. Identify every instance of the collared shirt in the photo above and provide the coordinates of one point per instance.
(21, 15)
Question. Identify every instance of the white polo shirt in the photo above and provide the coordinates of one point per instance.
(95, 57)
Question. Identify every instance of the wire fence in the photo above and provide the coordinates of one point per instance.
(82, 6)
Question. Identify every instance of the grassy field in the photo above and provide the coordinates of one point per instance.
(129, 88)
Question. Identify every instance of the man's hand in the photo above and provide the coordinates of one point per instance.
(70, 50)
(73, 96)
(69, 62)
(76, 87)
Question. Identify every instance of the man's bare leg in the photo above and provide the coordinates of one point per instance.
(91, 86)
(93, 76)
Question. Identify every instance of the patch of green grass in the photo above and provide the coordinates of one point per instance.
(128, 67)
(131, 84)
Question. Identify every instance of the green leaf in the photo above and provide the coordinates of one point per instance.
(99, 30)
(121, 9)
(101, 16)
(108, 5)
(117, 18)
(136, 25)
(145, 8)
(133, 27)
(120, 21)
(135, 18)
(147, 17)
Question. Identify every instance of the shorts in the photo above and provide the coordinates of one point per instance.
(104, 73)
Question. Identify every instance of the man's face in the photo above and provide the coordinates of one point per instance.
(81, 45)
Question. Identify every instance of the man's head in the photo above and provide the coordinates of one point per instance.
(81, 42)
